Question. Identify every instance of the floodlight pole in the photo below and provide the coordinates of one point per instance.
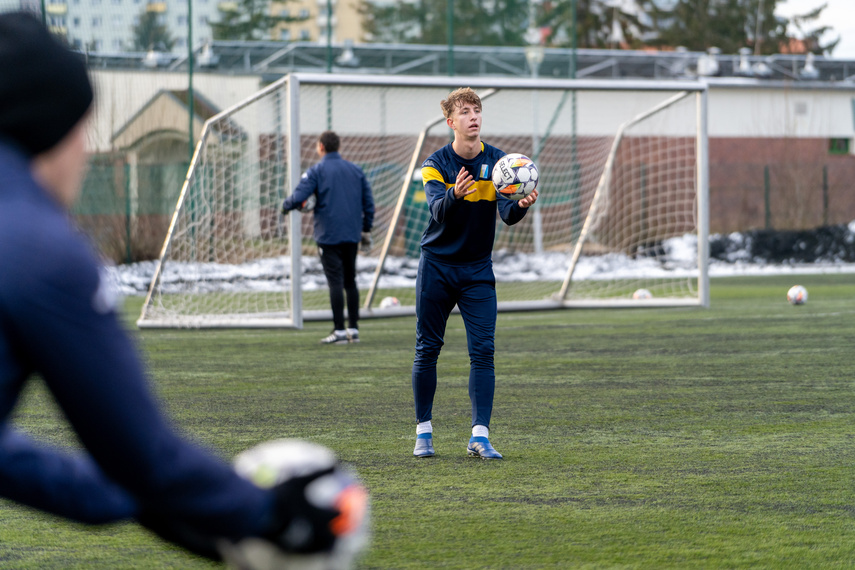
(190, 96)
(329, 63)
(450, 31)
(534, 56)
(575, 179)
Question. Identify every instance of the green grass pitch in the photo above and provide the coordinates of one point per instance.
(647, 438)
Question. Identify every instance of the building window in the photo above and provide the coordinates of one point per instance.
(304, 13)
(96, 21)
(117, 45)
(838, 146)
(181, 20)
(305, 35)
(116, 20)
(75, 21)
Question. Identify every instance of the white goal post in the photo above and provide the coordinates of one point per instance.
(623, 197)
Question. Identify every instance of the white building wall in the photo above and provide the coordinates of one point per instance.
(122, 94)
(734, 111)
(781, 112)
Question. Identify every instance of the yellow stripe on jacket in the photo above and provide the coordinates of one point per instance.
(484, 189)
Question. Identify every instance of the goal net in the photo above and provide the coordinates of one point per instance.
(622, 206)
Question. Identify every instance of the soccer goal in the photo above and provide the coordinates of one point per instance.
(622, 207)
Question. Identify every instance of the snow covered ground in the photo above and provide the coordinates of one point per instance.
(680, 256)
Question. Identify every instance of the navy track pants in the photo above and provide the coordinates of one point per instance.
(439, 287)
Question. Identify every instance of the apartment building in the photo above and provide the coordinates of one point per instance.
(107, 26)
(345, 21)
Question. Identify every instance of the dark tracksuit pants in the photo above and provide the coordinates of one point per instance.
(339, 263)
(472, 287)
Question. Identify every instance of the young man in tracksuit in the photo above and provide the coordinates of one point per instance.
(58, 320)
(344, 214)
(456, 267)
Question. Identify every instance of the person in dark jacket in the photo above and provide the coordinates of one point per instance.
(58, 320)
(344, 215)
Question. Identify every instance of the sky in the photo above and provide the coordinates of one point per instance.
(840, 15)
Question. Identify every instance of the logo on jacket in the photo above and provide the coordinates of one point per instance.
(484, 173)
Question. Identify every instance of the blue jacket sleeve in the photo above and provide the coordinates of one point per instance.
(28, 475)
(510, 211)
(308, 184)
(63, 327)
(440, 200)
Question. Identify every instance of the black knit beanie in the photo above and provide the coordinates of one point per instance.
(44, 87)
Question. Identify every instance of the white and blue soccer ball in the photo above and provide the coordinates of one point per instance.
(797, 295)
(308, 204)
(276, 461)
(515, 176)
(642, 294)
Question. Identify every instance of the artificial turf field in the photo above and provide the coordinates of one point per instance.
(644, 438)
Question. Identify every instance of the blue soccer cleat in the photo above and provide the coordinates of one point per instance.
(424, 445)
(480, 447)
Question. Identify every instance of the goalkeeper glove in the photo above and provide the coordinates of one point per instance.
(366, 243)
(300, 526)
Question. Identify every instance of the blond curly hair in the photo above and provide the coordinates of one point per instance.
(457, 98)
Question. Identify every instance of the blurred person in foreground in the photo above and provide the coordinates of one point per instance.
(58, 321)
(344, 214)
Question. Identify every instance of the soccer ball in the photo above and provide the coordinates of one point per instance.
(797, 295)
(642, 294)
(276, 461)
(389, 302)
(515, 176)
(308, 204)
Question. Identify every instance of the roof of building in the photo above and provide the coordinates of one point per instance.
(273, 58)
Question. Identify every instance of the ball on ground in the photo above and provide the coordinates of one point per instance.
(797, 295)
(642, 294)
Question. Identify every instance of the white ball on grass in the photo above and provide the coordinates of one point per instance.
(797, 295)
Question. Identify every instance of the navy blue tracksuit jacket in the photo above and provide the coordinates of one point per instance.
(58, 321)
(341, 214)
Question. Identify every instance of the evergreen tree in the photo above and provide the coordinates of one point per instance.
(476, 22)
(730, 25)
(151, 33)
(812, 36)
(695, 24)
(596, 22)
(246, 20)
